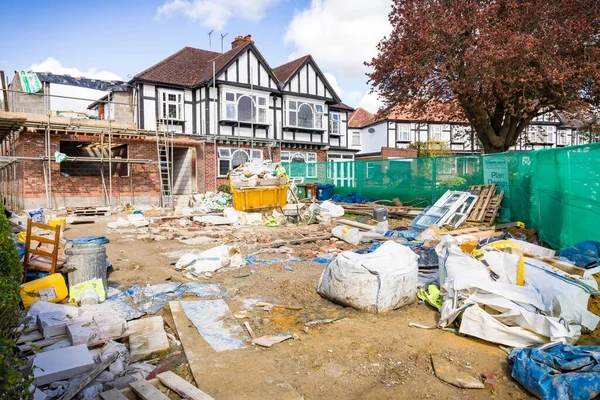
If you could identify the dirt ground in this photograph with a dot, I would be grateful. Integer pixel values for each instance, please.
(360, 356)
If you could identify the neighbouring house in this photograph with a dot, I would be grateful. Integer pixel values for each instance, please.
(196, 114)
(403, 127)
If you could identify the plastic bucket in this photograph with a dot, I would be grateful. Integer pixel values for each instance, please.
(62, 222)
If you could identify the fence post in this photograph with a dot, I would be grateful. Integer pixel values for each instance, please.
(433, 180)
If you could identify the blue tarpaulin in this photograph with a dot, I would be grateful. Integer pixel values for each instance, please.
(558, 372)
(584, 254)
(352, 198)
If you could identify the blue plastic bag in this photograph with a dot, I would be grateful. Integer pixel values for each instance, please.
(558, 372)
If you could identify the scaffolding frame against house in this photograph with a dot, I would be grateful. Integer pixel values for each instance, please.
(12, 126)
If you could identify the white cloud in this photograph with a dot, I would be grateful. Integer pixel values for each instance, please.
(334, 83)
(340, 34)
(215, 14)
(370, 102)
(51, 64)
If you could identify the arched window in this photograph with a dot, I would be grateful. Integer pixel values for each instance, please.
(298, 157)
(246, 109)
(305, 116)
(239, 157)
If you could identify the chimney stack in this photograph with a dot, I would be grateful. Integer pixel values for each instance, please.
(240, 40)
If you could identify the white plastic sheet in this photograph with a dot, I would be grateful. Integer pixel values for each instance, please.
(211, 260)
(380, 281)
(550, 306)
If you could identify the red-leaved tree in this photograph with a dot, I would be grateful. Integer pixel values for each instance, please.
(503, 61)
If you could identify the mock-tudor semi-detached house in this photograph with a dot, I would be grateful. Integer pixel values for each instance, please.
(252, 111)
(217, 110)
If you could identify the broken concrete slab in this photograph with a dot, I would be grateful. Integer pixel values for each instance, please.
(448, 373)
(149, 338)
(53, 323)
(268, 341)
(61, 364)
(79, 333)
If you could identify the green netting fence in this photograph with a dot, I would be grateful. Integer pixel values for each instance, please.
(556, 191)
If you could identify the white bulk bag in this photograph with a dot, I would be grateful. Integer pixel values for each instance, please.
(380, 281)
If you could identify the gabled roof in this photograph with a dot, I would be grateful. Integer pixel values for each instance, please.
(360, 118)
(221, 61)
(286, 71)
(97, 84)
(182, 68)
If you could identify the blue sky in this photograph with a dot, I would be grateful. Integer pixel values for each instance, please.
(109, 38)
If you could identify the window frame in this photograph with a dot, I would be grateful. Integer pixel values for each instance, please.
(164, 103)
(370, 169)
(226, 154)
(317, 115)
(255, 101)
(399, 131)
(354, 135)
(435, 136)
(335, 123)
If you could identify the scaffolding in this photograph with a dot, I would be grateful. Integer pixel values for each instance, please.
(13, 124)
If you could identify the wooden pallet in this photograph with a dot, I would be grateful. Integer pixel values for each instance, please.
(89, 211)
(485, 194)
(494, 208)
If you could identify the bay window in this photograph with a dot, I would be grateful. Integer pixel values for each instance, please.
(230, 158)
(171, 104)
(243, 107)
(304, 115)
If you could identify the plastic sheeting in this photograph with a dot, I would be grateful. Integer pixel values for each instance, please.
(558, 372)
(552, 306)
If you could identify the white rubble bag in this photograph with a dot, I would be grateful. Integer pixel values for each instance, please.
(377, 282)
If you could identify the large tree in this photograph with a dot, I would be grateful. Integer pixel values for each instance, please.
(503, 61)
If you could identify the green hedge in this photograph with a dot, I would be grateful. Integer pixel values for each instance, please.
(12, 384)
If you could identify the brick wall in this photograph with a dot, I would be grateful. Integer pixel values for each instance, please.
(389, 152)
(69, 191)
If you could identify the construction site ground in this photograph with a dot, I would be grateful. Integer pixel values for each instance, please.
(360, 356)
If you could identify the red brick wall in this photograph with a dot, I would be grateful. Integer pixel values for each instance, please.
(387, 152)
(143, 179)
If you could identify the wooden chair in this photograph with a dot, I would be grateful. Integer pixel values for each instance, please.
(52, 257)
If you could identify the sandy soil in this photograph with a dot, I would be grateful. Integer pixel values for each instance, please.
(360, 356)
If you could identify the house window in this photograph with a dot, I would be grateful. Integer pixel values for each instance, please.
(171, 104)
(309, 159)
(334, 124)
(561, 138)
(304, 115)
(93, 150)
(230, 158)
(550, 134)
(403, 132)
(243, 107)
(435, 132)
(356, 138)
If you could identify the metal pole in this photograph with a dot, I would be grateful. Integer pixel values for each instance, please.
(216, 124)
(3, 86)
